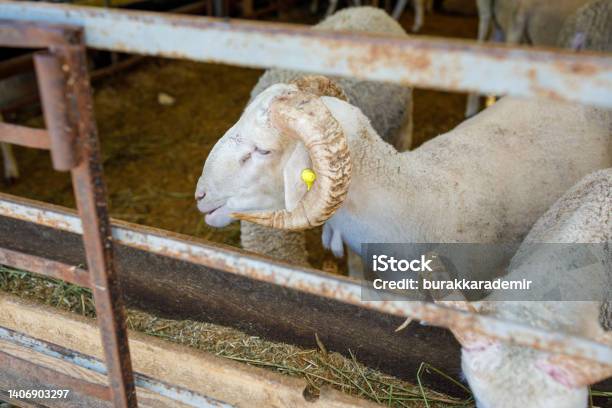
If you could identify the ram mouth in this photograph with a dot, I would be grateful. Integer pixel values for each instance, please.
(210, 208)
(213, 210)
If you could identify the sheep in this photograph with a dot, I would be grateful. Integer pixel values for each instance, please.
(589, 28)
(420, 6)
(486, 181)
(535, 22)
(510, 376)
(388, 106)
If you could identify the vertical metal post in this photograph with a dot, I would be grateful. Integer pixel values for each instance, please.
(90, 194)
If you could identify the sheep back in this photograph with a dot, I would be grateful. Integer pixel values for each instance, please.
(386, 105)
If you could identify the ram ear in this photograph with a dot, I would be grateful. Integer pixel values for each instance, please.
(573, 372)
(295, 188)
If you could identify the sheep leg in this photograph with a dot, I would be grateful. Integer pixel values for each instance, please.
(11, 171)
(516, 32)
(333, 4)
(485, 16)
(473, 105)
(403, 138)
(419, 15)
(399, 9)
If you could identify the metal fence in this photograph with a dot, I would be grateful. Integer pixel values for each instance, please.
(71, 136)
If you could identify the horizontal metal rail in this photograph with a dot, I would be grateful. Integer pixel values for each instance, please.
(24, 136)
(414, 60)
(303, 279)
(43, 266)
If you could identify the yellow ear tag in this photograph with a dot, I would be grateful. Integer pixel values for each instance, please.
(308, 177)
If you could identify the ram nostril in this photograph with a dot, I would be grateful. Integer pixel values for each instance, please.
(199, 195)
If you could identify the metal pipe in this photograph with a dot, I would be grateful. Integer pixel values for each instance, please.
(304, 279)
(43, 266)
(90, 195)
(24, 136)
(456, 65)
(60, 116)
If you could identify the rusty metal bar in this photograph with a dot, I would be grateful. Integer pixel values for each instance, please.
(43, 266)
(304, 279)
(67, 105)
(90, 194)
(24, 136)
(34, 35)
(457, 65)
(59, 115)
(48, 376)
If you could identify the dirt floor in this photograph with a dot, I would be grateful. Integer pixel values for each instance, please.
(153, 154)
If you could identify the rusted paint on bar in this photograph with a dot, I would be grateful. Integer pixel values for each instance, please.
(30, 35)
(48, 376)
(42, 266)
(24, 136)
(304, 279)
(59, 116)
(416, 60)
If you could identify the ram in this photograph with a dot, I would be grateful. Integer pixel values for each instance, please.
(388, 106)
(488, 180)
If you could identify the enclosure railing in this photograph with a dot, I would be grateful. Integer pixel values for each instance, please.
(420, 61)
(72, 138)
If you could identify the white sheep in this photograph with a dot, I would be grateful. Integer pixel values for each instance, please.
(535, 22)
(503, 375)
(589, 28)
(488, 180)
(388, 106)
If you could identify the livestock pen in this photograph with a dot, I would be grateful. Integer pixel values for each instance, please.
(45, 239)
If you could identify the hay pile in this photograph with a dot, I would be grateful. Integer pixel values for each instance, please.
(317, 366)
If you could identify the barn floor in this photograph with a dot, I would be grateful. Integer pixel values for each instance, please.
(153, 156)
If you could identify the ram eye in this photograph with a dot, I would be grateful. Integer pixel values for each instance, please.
(262, 151)
(245, 158)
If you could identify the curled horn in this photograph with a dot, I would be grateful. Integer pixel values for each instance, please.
(320, 86)
(303, 115)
